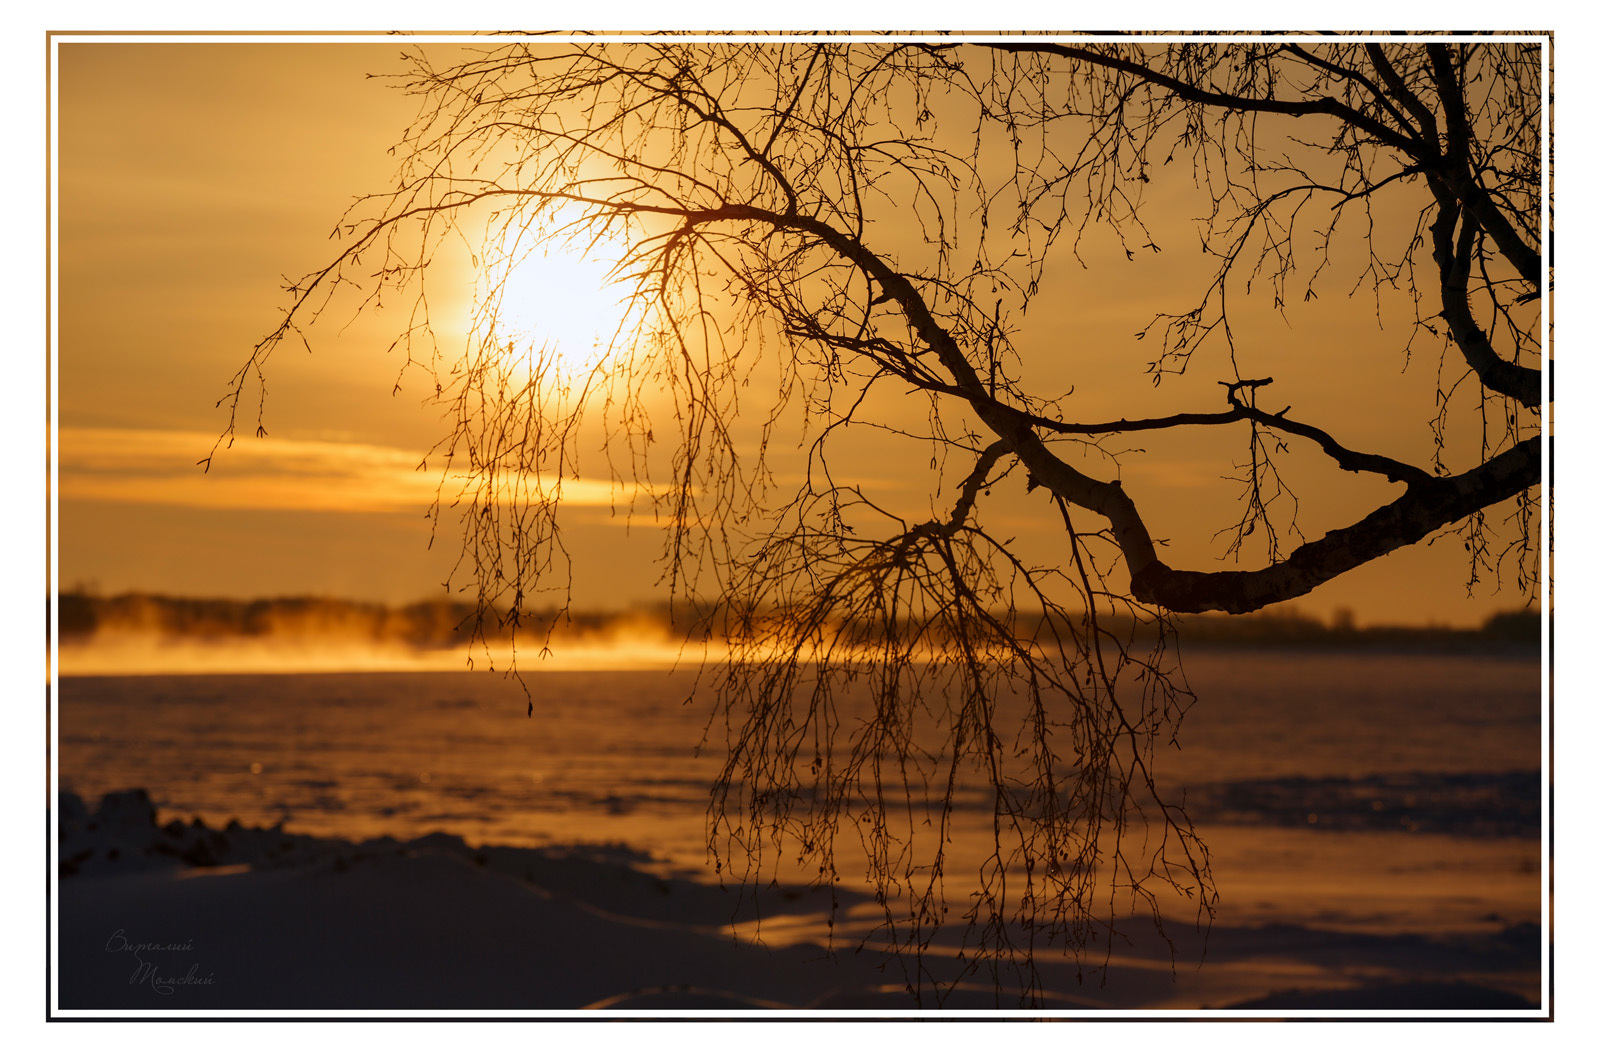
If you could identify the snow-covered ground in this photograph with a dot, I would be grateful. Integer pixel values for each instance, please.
(173, 917)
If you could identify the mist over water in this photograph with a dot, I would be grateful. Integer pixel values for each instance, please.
(142, 634)
(133, 653)
(139, 634)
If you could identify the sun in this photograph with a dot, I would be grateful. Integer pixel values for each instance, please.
(555, 305)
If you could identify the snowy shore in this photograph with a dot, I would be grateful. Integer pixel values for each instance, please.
(175, 917)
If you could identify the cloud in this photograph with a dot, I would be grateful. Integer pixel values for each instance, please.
(144, 466)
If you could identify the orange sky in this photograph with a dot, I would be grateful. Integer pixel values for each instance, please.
(194, 177)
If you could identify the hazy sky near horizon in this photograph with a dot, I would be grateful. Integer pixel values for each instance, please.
(195, 178)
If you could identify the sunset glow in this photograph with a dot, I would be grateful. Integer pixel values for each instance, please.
(173, 253)
(157, 467)
(534, 517)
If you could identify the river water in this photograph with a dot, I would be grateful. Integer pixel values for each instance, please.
(1347, 789)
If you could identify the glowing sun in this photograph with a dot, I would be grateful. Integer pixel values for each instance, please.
(557, 305)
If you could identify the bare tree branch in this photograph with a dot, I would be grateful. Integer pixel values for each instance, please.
(809, 231)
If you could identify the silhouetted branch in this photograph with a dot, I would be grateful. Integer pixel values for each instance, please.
(800, 239)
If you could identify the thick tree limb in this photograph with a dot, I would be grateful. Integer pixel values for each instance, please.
(1422, 509)
(1453, 257)
(1427, 505)
(1455, 169)
(1396, 84)
(1476, 201)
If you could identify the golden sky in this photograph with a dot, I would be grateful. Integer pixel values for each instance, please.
(196, 177)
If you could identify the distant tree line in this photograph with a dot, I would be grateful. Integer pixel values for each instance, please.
(433, 624)
(441, 624)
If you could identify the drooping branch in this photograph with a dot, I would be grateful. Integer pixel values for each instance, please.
(975, 481)
(750, 179)
(1020, 431)
(1347, 459)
